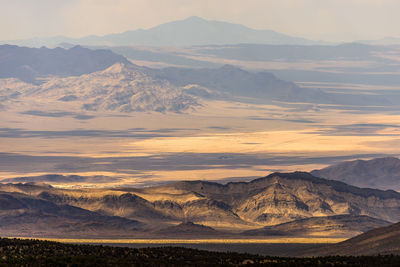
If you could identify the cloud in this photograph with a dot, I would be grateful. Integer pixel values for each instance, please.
(22, 133)
(257, 118)
(65, 179)
(360, 129)
(139, 133)
(57, 114)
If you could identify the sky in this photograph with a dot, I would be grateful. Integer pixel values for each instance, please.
(329, 20)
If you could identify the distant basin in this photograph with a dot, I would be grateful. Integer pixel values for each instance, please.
(297, 240)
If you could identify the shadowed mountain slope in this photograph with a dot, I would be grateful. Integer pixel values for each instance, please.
(189, 229)
(346, 225)
(380, 241)
(24, 215)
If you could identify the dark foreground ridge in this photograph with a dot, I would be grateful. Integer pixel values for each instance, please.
(17, 252)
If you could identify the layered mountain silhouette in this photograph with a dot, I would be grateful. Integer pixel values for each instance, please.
(301, 200)
(382, 173)
(187, 32)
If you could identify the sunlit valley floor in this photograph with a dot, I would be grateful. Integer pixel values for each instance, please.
(218, 140)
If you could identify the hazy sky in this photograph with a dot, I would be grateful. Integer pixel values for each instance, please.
(331, 20)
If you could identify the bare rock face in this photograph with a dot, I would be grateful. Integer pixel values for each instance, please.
(283, 203)
(121, 87)
(381, 173)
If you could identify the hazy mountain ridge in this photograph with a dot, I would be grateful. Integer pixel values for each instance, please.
(382, 173)
(275, 199)
(238, 82)
(28, 64)
(190, 31)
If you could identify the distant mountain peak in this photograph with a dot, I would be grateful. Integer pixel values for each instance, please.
(230, 67)
(190, 31)
(195, 18)
(382, 173)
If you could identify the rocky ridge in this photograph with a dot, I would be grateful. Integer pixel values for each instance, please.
(273, 200)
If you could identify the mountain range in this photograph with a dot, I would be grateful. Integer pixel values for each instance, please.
(187, 32)
(100, 80)
(192, 31)
(282, 202)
